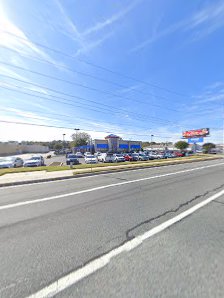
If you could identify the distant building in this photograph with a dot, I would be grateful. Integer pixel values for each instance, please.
(11, 148)
(111, 143)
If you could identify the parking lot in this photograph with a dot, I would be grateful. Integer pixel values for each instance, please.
(50, 159)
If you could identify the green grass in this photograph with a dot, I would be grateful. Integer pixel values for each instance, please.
(121, 165)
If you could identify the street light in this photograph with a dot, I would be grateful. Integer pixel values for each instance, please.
(151, 140)
(76, 133)
(64, 141)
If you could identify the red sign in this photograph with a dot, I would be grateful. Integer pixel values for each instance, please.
(202, 132)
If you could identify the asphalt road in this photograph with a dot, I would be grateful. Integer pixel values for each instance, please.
(51, 229)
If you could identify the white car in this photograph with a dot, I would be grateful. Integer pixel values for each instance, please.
(91, 159)
(79, 154)
(107, 157)
(119, 158)
(34, 161)
(11, 162)
(87, 153)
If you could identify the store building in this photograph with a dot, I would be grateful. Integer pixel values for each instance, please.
(112, 143)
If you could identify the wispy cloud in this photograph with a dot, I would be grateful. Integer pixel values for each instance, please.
(12, 37)
(212, 94)
(114, 18)
(68, 26)
(7, 71)
(207, 20)
(200, 24)
(92, 44)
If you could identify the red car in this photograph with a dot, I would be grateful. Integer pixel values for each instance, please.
(128, 157)
(179, 154)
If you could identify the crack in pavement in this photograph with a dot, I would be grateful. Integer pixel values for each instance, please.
(150, 220)
(216, 201)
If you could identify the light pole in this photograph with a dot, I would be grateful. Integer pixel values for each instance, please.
(151, 140)
(64, 141)
(76, 133)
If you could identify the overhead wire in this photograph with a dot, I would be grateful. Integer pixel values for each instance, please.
(94, 65)
(86, 87)
(85, 99)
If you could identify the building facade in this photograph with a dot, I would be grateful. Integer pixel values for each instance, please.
(113, 143)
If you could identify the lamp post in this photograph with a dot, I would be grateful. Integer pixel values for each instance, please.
(63, 141)
(76, 133)
(151, 140)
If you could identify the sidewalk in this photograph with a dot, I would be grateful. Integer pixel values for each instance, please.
(42, 176)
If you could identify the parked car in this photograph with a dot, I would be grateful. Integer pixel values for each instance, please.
(11, 162)
(91, 159)
(79, 154)
(97, 153)
(87, 153)
(135, 156)
(72, 159)
(178, 154)
(128, 157)
(106, 157)
(143, 157)
(34, 161)
(119, 158)
(168, 155)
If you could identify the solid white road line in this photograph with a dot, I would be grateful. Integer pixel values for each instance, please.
(75, 276)
(93, 176)
(29, 202)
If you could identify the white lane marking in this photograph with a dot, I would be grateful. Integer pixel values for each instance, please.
(77, 275)
(29, 202)
(101, 174)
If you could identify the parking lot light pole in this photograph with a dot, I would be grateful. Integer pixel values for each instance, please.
(151, 140)
(64, 141)
(76, 132)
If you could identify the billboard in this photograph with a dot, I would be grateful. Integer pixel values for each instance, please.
(202, 132)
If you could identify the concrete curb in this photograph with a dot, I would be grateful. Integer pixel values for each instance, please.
(89, 174)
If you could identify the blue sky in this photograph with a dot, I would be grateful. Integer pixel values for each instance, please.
(134, 68)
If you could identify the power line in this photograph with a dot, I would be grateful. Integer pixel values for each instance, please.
(96, 66)
(85, 74)
(85, 86)
(69, 116)
(84, 99)
(64, 127)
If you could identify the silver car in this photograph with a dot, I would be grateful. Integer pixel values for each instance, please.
(11, 162)
(34, 161)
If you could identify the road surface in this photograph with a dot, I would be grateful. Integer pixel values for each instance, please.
(51, 230)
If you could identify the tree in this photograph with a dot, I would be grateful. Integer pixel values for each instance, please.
(58, 146)
(80, 139)
(207, 147)
(182, 145)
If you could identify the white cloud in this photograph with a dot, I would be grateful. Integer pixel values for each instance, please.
(12, 37)
(114, 18)
(200, 24)
(213, 93)
(92, 44)
(8, 72)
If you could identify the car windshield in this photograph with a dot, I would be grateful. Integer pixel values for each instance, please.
(119, 155)
(7, 159)
(134, 154)
(90, 156)
(71, 156)
(35, 158)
